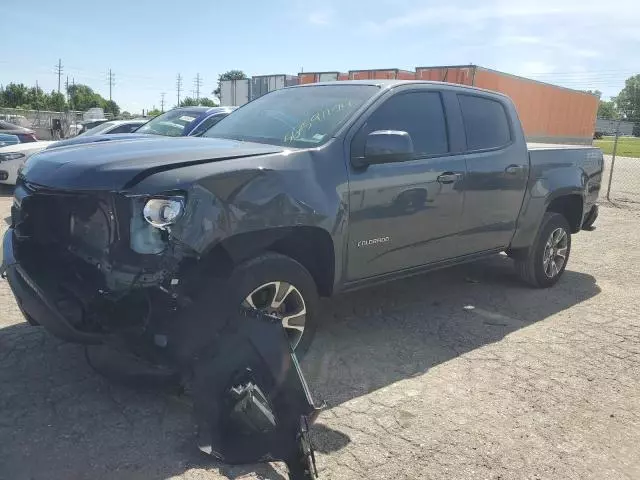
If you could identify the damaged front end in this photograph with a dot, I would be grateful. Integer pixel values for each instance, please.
(104, 262)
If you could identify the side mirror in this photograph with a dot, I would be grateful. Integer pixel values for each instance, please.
(386, 146)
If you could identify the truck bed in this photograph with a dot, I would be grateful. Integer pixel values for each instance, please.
(588, 158)
(558, 146)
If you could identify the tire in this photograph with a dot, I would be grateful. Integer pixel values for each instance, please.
(261, 276)
(534, 265)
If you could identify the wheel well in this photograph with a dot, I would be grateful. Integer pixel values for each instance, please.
(571, 207)
(310, 246)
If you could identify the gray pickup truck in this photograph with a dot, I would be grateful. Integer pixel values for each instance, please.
(307, 191)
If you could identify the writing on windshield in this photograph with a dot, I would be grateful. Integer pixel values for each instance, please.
(295, 117)
(305, 127)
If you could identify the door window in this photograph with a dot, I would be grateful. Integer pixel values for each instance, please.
(485, 123)
(420, 114)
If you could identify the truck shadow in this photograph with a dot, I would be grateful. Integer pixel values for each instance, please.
(61, 420)
(375, 337)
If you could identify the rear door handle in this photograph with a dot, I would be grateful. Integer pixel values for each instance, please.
(514, 169)
(448, 177)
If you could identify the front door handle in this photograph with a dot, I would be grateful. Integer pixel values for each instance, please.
(448, 177)
(514, 169)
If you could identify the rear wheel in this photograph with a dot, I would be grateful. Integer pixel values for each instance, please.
(544, 262)
(279, 286)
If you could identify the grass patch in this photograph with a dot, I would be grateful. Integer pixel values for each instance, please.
(627, 146)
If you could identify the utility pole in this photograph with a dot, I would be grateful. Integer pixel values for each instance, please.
(37, 96)
(162, 101)
(59, 72)
(179, 86)
(197, 82)
(111, 79)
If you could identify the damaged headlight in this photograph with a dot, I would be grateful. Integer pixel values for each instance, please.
(151, 219)
(162, 212)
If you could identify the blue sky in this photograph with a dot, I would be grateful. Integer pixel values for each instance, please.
(579, 44)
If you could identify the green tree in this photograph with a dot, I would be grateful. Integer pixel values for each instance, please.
(83, 97)
(56, 102)
(628, 100)
(36, 99)
(203, 101)
(607, 109)
(111, 107)
(207, 102)
(15, 95)
(230, 75)
(126, 115)
(153, 113)
(189, 102)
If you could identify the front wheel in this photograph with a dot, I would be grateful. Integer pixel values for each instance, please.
(544, 262)
(279, 286)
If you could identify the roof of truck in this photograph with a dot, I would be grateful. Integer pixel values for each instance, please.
(393, 83)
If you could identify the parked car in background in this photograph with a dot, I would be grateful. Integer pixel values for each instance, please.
(25, 135)
(8, 139)
(103, 132)
(88, 125)
(115, 126)
(185, 121)
(179, 122)
(12, 157)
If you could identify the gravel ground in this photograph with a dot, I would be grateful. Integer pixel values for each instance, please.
(463, 374)
(625, 185)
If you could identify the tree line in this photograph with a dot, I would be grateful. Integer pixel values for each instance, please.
(78, 97)
(625, 105)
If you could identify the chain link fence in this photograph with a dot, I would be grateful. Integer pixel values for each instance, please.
(47, 125)
(621, 180)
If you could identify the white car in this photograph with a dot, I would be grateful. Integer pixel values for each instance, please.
(115, 126)
(13, 157)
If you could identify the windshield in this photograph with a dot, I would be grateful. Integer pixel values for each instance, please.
(98, 129)
(296, 117)
(170, 124)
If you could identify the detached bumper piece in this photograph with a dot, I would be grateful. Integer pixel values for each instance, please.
(252, 401)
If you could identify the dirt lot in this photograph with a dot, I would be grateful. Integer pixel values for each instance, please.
(625, 185)
(460, 374)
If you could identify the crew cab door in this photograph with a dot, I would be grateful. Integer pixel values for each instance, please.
(497, 171)
(404, 214)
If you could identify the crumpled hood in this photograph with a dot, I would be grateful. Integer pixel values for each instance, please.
(119, 164)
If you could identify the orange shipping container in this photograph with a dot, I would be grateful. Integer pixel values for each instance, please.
(313, 77)
(384, 74)
(548, 113)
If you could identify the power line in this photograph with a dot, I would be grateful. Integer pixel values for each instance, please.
(58, 70)
(179, 86)
(162, 101)
(111, 80)
(197, 82)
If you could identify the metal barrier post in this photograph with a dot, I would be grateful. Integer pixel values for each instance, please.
(613, 159)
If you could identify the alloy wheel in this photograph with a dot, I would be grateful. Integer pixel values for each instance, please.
(555, 252)
(284, 301)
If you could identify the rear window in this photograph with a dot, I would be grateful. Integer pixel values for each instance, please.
(485, 123)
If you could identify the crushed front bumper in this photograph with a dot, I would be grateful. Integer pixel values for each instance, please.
(35, 299)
